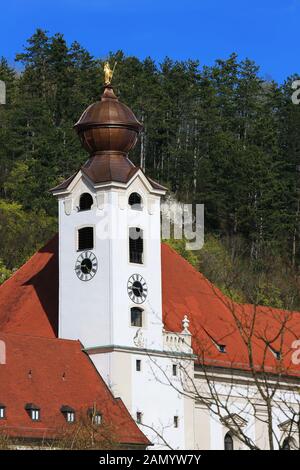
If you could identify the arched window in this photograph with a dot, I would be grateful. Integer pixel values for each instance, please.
(136, 317)
(136, 245)
(288, 444)
(85, 202)
(135, 201)
(228, 442)
(86, 238)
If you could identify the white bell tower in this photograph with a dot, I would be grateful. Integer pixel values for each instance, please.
(110, 295)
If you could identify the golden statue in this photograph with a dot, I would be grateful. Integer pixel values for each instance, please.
(108, 73)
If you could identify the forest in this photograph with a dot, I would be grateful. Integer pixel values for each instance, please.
(219, 135)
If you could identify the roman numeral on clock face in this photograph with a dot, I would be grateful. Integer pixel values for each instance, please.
(137, 288)
(86, 266)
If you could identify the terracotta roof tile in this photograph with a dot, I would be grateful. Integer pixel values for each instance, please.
(29, 305)
(51, 372)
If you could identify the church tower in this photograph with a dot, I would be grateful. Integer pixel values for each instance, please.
(110, 295)
(109, 236)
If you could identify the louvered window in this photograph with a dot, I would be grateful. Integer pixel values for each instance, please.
(136, 245)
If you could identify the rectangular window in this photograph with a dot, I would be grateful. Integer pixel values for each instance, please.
(174, 370)
(70, 417)
(86, 238)
(136, 245)
(136, 317)
(35, 415)
(138, 365)
(176, 422)
(97, 419)
(2, 412)
(139, 417)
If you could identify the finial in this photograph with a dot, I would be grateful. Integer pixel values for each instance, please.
(108, 73)
(185, 324)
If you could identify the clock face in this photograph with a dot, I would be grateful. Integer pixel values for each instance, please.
(86, 266)
(137, 288)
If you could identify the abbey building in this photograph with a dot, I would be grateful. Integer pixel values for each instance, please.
(106, 318)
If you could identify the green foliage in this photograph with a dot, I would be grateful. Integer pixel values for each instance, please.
(217, 135)
(22, 232)
(4, 272)
(179, 246)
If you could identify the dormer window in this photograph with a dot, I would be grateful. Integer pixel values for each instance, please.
(95, 416)
(136, 245)
(33, 411)
(85, 202)
(221, 348)
(2, 411)
(276, 353)
(135, 201)
(97, 419)
(85, 238)
(68, 413)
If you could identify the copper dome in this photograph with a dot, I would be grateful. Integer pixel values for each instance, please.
(108, 125)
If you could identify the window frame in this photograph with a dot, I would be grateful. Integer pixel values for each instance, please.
(228, 437)
(95, 418)
(35, 414)
(77, 230)
(67, 412)
(70, 417)
(141, 310)
(134, 251)
(2, 411)
(138, 365)
(33, 411)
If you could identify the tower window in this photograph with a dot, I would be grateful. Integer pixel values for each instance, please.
(176, 422)
(2, 411)
(139, 416)
(136, 245)
(228, 442)
(85, 202)
(86, 238)
(136, 317)
(174, 370)
(138, 365)
(135, 201)
(33, 411)
(68, 413)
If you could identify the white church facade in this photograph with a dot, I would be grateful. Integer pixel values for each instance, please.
(161, 337)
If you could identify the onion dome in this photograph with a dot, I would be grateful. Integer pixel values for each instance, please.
(108, 126)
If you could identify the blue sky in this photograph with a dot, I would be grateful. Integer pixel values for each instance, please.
(265, 31)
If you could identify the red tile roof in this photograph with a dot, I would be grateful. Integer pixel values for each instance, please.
(29, 305)
(50, 373)
(212, 316)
